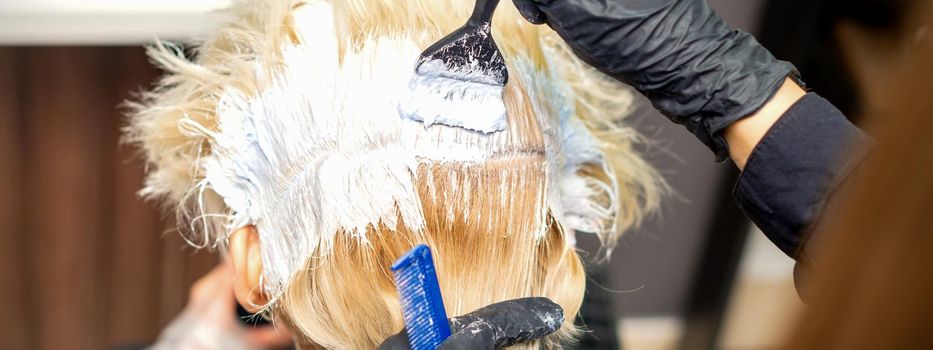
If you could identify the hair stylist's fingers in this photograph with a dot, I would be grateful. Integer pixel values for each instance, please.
(496, 326)
(475, 336)
(507, 323)
(529, 9)
(399, 341)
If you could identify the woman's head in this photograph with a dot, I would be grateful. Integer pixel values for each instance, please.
(283, 139)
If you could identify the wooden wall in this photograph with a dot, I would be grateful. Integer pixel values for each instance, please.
(84, 263)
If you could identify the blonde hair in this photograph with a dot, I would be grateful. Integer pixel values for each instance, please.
(230, 138)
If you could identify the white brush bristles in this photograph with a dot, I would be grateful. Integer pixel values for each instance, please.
(433, 97)
(290, 114)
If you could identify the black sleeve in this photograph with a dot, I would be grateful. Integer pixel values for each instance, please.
(795, 168)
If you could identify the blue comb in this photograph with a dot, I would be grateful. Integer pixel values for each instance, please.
(422, 304)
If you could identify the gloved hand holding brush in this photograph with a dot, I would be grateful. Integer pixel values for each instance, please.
(693, 66)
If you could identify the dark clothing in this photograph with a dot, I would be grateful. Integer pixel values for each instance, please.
(795, 168)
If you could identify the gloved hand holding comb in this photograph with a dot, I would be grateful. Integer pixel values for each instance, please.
(495, 326)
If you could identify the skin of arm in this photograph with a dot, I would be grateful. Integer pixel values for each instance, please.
(745, 134)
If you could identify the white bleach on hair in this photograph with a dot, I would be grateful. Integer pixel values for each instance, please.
(326, 130)
(467, 101)
(306, 137)
(323, 149)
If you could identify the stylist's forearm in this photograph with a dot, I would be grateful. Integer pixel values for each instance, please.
(745, 134)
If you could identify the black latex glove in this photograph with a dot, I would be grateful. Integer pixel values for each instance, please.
(495, 326)
(693, 67)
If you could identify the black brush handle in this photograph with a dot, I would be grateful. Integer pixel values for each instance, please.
(482, 12)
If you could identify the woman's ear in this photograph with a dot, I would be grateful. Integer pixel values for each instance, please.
(245, 253)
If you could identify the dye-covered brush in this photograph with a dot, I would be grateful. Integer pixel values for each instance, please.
(420, 295)
(459, 80)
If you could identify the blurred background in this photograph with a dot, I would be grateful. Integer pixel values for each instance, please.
(89, 265)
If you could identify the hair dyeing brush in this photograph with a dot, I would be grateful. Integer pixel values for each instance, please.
(422, 305)
(459, 80)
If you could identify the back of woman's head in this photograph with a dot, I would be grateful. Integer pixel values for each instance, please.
(287, 121)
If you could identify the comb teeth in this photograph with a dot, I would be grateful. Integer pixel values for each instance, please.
(420, 295)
